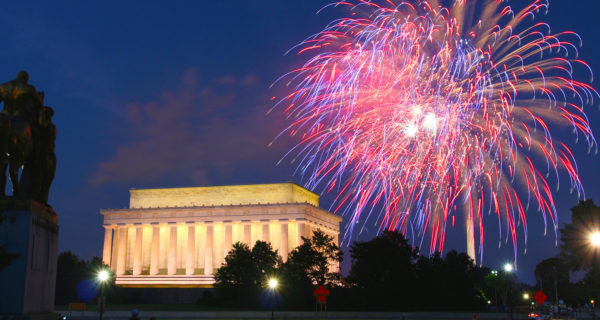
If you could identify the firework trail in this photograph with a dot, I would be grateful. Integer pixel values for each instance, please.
(416, 113)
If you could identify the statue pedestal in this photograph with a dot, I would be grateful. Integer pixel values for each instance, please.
(27, 284)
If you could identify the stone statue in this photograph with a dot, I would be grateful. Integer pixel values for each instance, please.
(27, 137)
(47, 155)
(15, 148)
(21, 99)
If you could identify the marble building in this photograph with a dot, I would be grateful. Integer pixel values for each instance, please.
(178, 237)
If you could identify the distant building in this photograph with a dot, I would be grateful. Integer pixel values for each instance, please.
(178, 237)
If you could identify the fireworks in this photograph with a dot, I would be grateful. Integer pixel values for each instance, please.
(415, 114)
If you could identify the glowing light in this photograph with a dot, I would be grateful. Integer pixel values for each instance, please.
(525, 296)
(411, 130)
(595, 238)
(414, 115)
(429, 122)
(508, 267)
(273, 283)
(103, 275)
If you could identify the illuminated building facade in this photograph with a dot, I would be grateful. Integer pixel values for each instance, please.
(178, 237)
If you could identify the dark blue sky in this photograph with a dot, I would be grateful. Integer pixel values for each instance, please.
(165, 94)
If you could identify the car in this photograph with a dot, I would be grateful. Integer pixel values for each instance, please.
(534, 315)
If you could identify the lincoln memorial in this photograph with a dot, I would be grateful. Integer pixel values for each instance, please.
(178, 237)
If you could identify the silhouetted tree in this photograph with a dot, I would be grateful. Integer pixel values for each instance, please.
(70, 271)
(389, 274)
(430, 274)
(575, 247)
(266, 260)
(237, 269)
(240, 279)
(451, 283)
(308, 265)
(463, 283)
(504, 285)
(587, 288)
(383, 271)
(552, 274)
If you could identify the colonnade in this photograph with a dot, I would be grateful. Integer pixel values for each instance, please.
(193, 247)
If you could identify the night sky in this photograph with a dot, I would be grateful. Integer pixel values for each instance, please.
(168, 94)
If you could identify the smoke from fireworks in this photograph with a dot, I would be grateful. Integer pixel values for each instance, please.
(417, 113)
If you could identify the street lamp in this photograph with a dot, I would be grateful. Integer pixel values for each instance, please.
(102, 277)
(273, 284)
(595, 238)
(508, 269)
(526, 298)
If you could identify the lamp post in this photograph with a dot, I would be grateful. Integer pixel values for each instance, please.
(527, 298)
(594, 241)
(102, 277)
(508, 269)
(273, 284)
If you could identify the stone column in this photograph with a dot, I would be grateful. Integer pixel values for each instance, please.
(247, 233)
(190, 261)
(301, 230)
(227, 245)
(172, 261)
(122, 250)
(137, 251)
(115, 250)
(107, 250)
(283, 250)
(154, 253)
(265, 230)
(208, 250)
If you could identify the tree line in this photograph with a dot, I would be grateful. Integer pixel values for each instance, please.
(387, 274)
(573, 275)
